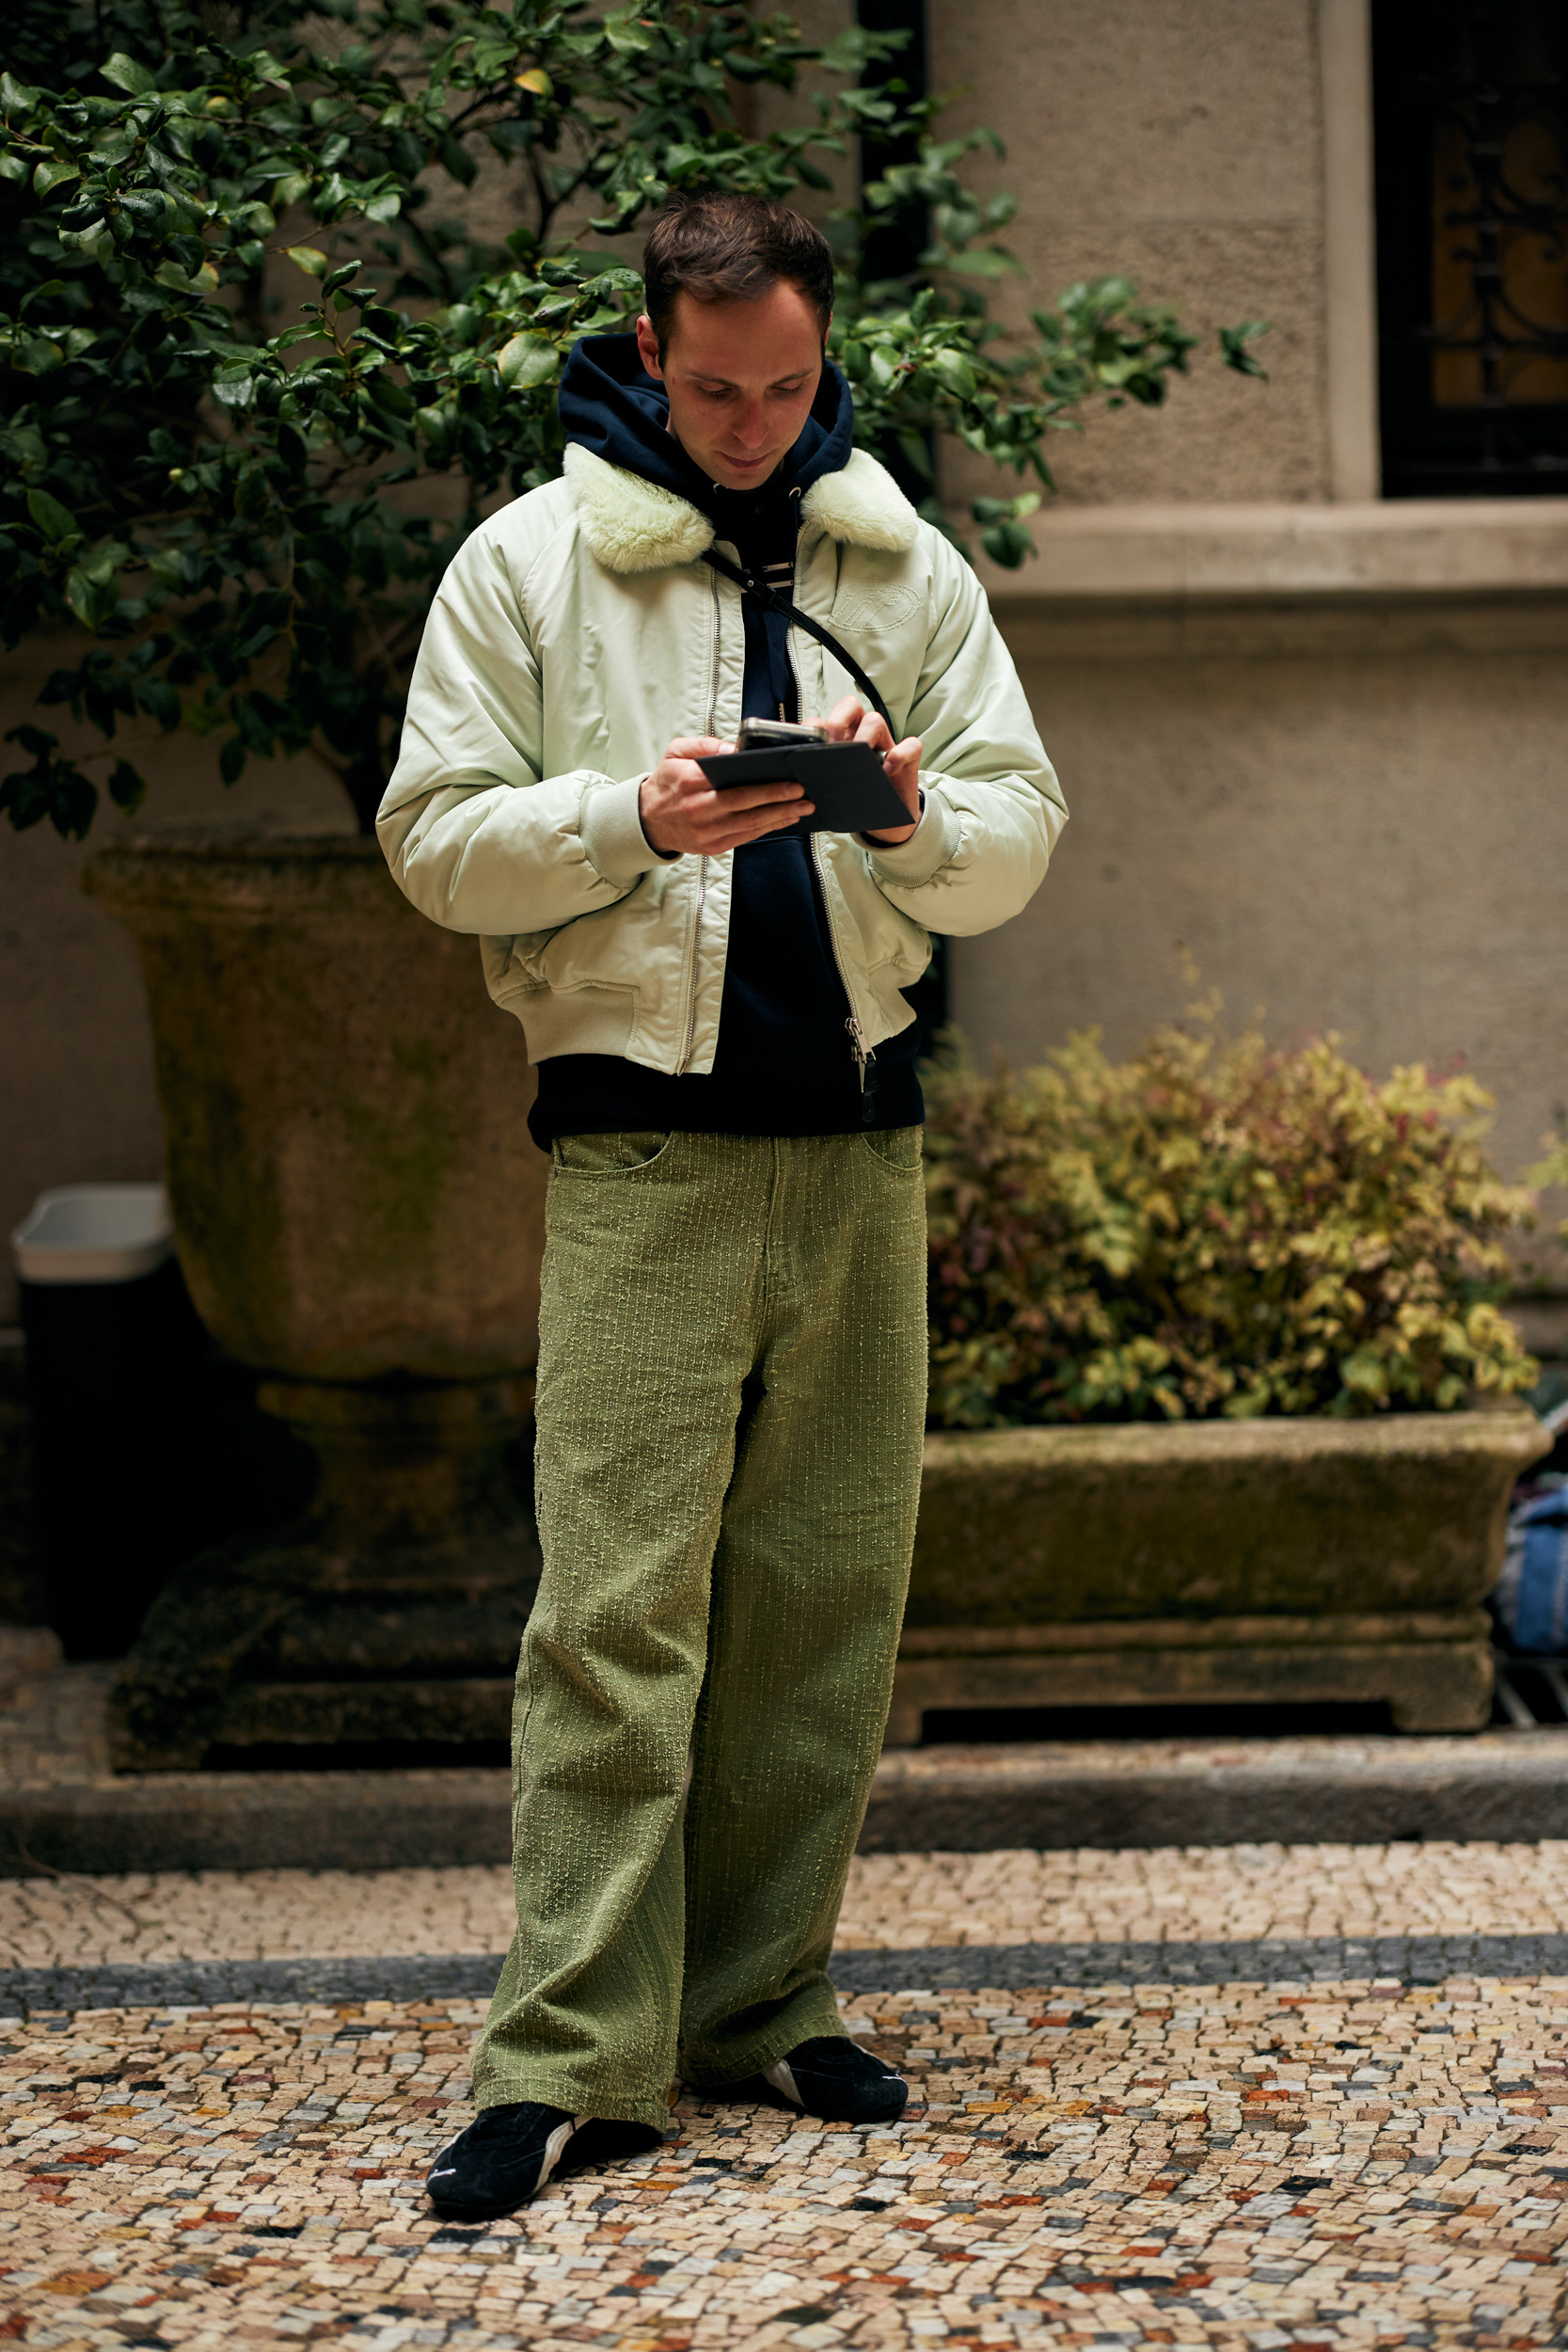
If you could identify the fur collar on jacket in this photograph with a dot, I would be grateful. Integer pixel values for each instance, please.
(635, 526)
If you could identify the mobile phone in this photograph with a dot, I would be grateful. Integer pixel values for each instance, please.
(761, 734)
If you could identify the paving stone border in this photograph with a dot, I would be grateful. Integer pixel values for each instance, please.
(1324, 1959)
(1336, 1960)
(206, 1983)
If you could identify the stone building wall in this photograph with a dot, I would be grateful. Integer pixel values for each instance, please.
(1177, 142)
(1347, 817)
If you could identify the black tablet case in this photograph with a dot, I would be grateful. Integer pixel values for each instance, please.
(846, 782)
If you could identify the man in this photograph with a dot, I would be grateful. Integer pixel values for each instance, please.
(732, 1376)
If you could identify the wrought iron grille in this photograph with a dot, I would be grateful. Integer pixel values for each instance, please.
(1470, 103)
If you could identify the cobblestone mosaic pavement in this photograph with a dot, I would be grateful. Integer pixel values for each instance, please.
(1276, 2159)
(912, 1903)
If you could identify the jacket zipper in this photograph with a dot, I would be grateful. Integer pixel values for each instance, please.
(702, 863)
(858, 1046)
(865, 1053)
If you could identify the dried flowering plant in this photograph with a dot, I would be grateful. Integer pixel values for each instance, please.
(1213, 1228)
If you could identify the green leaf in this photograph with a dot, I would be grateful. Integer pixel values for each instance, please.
(849, 49)
(24, 445)
(952, 370)
(1233, 345)
(232, 759)
(91, 600)
(986, 262)
(161, 702)
(254, 219)
(1008, 544)
(126, 788)
(625, 34)
(52, 173)
(309, 257)
(74, 803)
(35, 740)
(525, 360)
(55, 521)
(458, 160)
(388, 396)
(52, 787)
(1006, 510)
(126, 73)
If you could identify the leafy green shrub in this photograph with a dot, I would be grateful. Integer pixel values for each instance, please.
(240, 519)
(1212, 1228)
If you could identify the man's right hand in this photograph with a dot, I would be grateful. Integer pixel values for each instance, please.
(683, 814)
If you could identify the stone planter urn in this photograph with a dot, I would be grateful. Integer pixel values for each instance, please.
(1214, 1562)
(359, 1214)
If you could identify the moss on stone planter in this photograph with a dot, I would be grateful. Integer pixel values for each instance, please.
(355, 1190)
(1241, 1560)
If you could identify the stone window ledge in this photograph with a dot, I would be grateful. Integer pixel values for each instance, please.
(1405, 548)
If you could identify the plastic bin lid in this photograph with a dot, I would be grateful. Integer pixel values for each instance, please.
(94, 1234)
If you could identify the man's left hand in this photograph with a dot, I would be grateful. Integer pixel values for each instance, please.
(852, 722)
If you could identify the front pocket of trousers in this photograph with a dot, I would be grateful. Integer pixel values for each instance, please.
(910, 1149)
(629, 1153)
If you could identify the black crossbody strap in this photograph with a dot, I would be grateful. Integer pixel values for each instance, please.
(774, 600)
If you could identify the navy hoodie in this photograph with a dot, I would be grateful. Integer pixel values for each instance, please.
(784, 1064)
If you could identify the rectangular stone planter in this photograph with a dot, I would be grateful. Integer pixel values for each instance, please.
(1208, 1562)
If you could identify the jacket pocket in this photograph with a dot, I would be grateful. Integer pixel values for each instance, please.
(511, 965)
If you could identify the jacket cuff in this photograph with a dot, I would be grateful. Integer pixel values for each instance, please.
(933, 842)
(613, 835)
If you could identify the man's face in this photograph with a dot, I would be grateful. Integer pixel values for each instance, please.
(741, 378)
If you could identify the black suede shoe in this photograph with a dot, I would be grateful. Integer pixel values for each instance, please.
(508, 2154)
(829, 2076)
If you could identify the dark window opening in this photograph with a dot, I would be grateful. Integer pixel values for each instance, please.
(1470, 119)
(893, 247)
(893, 252)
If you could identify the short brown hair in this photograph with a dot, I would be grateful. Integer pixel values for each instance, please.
(726, 247)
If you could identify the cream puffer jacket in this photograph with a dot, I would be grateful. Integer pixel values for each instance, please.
(575, 636)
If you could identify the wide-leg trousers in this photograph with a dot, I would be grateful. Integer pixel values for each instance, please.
(731, 1401)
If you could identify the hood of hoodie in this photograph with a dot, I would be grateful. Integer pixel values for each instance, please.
(611, 407)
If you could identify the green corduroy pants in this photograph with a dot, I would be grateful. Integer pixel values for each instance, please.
(730, 1400)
